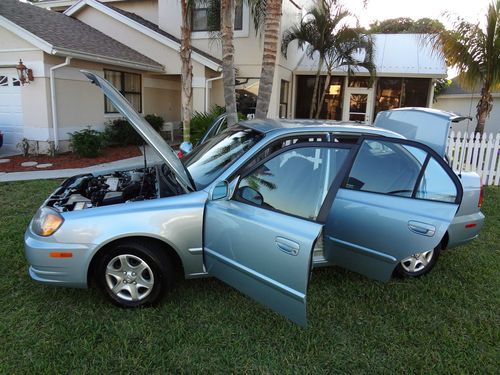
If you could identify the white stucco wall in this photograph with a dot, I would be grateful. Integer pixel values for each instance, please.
(461, 104)
(147, 9)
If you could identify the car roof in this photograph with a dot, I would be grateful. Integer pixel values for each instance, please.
(291, 126)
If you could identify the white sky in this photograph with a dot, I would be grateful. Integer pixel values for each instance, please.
(471, 10)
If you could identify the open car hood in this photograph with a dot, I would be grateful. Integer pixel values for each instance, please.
(425, 125)
(144, 129)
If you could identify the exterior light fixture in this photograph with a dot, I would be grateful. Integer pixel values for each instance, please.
(25, 75)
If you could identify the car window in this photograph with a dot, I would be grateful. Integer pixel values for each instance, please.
(210, 159)
(436, 184)
(386, 167)
(294, 181)
(395, 168)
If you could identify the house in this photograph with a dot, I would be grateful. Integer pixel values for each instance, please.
(463, 101)
(135, 44)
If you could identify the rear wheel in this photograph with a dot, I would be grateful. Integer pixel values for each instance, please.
(134, 274)
(418, 264)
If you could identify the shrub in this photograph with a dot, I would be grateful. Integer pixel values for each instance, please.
(202, 120)
(155, 121)
(87, 143)
(120, 132)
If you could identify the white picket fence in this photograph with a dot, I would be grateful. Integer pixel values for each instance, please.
(476, 153)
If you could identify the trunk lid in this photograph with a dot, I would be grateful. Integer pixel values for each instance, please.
(425, 125)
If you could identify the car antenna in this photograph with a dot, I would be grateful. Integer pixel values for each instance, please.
(144, 152)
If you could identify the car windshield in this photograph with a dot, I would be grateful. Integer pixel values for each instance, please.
(209, 160)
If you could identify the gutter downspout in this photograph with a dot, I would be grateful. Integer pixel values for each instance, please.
(206, 89)
(55, 124)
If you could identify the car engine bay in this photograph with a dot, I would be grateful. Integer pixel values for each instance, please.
(88, 191)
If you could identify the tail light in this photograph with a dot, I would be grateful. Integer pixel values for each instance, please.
(180, 154)
(481, 195)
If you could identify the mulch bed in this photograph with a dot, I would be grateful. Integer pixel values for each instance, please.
(69, 160)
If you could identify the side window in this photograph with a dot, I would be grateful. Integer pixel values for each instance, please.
(436, 184)
(386, 167)
(295, 181)
(396, 169)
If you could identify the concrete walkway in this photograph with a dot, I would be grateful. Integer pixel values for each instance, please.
(131, 163)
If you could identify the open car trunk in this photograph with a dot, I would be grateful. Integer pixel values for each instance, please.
(428, 126)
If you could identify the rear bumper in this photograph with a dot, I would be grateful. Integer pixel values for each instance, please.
(464, 229)
(68, 272)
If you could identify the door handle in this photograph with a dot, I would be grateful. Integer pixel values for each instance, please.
(287, 246)
(422, 228)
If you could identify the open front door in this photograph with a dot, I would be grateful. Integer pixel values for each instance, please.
(397, 200)
(261, 240)
(264, 254)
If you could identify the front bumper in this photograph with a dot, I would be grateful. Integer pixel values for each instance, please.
(68, 272)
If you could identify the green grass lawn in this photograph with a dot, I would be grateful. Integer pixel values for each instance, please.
(445, 322)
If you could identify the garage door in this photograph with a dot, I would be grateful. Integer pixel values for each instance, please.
(11, 115)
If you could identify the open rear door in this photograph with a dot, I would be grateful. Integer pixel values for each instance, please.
(397, 200)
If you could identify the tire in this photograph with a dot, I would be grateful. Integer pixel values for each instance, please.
(135, 274)
(418, 264)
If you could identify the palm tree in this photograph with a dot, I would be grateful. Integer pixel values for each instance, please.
(186, 69)
(324, 31)
(344, 45)
(475, 52)
(272, 15)
(227, 31)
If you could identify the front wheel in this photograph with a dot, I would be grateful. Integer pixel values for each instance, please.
(418, 264)
(135, 274)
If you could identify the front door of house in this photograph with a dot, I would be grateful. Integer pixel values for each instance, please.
(358, 104)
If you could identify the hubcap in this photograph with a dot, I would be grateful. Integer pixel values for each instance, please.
(417, 262)
(129, 277)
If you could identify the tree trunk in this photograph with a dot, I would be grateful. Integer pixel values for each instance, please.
(186, 73)
(483, 108)
(271, 40)
(323, 95)
(227, 25)
(315, 89)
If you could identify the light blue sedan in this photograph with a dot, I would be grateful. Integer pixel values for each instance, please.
(256, 206)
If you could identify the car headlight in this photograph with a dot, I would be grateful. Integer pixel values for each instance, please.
(46, 221)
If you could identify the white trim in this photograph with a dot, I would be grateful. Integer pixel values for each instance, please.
(106, 60)
(26, 35)
(53, 102)
(64, 3)
(208, 85)
(141, 28)
(198, 82)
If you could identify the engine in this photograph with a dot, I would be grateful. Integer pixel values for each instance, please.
(87, 191)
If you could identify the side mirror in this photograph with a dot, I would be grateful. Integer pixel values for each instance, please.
(186, 147)
(220, 191)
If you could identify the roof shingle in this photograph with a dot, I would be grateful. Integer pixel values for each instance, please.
(65, 32)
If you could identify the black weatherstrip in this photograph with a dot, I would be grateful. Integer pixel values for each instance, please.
(337, 183)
